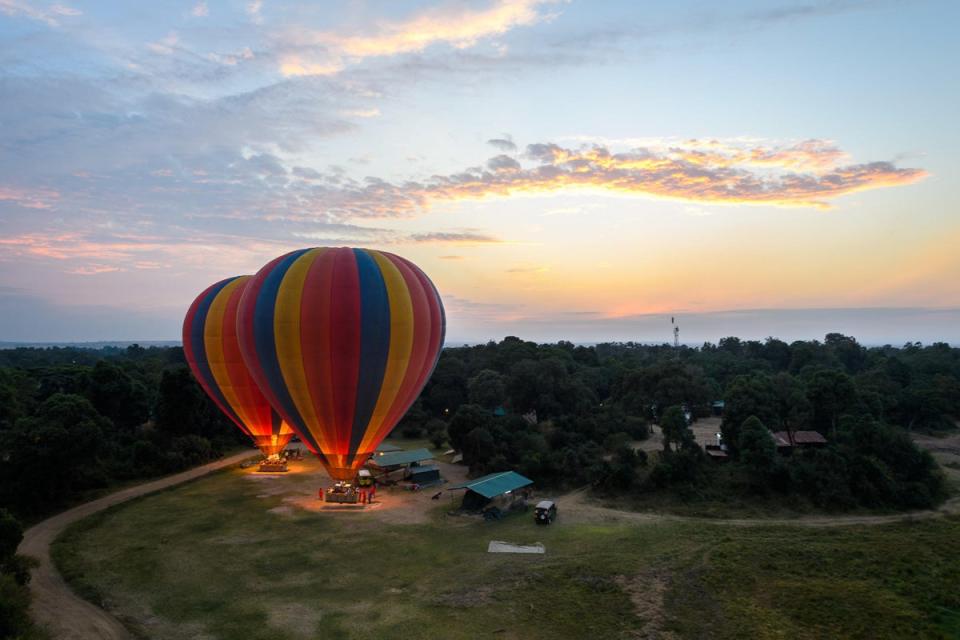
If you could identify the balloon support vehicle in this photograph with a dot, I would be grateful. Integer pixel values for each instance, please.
(546, 512)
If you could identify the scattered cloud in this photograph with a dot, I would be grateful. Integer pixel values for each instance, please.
(253, 10)
(200, 10)
(505, 144)
(166, 45)
(310, 52)
(93, 269)
(232, 59)
(29, 198)
(806, 174)
(503, 163)
(451, 257)
(361, 113)
(461, 237)
(48, 16)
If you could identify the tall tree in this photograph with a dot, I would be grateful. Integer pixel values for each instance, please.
(675, 430)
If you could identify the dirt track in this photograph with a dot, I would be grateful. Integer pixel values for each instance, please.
(61, 612)
(577, 509)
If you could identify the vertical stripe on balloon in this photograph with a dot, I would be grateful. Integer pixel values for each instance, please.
(265, 343)
(345, 335)
(419, 350)
(375, 332)
(194, 334)
(402, 324)
(213, 345)
(287, 337)
(315, 342)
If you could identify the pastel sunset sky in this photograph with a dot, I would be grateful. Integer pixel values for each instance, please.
(575, 170)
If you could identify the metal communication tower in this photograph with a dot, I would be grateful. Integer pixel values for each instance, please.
(676, 336)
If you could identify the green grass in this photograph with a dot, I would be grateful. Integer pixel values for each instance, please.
(208, 558)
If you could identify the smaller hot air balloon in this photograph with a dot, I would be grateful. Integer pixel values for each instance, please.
(212, 350)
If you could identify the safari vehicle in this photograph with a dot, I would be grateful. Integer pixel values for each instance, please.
(364, 478)
(546, 512)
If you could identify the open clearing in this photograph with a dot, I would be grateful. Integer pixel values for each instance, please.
(245, 555)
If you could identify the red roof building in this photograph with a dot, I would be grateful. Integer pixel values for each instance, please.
(788, 440)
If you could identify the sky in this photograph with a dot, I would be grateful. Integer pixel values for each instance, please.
(579, 170)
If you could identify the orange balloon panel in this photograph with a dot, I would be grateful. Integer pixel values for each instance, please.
(213, 352)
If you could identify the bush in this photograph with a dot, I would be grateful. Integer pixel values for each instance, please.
(412, 431)
(758, 451)
(14, 605)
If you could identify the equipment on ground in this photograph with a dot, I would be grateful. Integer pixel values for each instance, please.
(273, 466)
(545, 512)
(342, 492)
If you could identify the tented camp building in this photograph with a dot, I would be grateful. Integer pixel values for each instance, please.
(492, 487)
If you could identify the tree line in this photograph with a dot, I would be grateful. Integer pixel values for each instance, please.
(74, 421)
(593, 403)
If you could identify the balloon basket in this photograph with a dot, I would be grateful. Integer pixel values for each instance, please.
(347, 493)
(273, 466)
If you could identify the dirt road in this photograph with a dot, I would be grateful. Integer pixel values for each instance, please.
(577, 508)
(55, 606)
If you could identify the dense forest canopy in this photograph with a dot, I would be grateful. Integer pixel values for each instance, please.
(591, 403)
(75, 420)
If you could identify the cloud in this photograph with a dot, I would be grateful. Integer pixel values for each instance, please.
(447, 237)
(505, 144)
(361, 113)
(503, 163)
(200, 10)
(93, 269)
(253, 10)
(28, 10)
(29, 198)
(63, 10)
(166, 45)
(806, 174)
(460, 26)
(451, 257)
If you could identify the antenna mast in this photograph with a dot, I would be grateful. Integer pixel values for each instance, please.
(676, 336)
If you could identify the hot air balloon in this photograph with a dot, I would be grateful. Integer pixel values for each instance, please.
(213, 352)
(341, 341)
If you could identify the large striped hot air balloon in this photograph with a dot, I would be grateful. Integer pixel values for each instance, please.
(212, 350)
(341, 341)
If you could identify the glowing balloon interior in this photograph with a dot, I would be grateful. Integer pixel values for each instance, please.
(212, 350)
(341, 341)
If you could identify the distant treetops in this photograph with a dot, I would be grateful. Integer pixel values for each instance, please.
(333, 343)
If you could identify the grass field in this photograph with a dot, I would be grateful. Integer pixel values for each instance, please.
(224, 558)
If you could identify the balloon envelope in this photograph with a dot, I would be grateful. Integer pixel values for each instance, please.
(341, 341)
(212, 350)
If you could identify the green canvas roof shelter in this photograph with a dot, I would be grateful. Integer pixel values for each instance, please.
(495, 484)
(426, 474)
(398, 458)
(386, 447)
